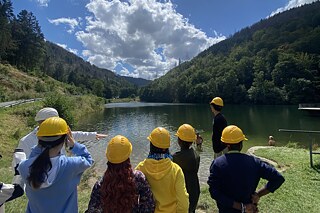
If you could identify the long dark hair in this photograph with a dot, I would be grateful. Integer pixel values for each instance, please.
(38, 171)
(118, 189)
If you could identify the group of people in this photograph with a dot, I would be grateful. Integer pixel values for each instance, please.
(162, 182)
(46, 141)
(234, 176)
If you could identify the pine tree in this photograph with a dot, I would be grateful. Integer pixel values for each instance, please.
(6, 17)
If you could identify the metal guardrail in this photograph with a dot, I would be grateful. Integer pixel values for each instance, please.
(311, 152)
(14, 103)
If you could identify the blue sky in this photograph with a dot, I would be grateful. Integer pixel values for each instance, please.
(145, 38)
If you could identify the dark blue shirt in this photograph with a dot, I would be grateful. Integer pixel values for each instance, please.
(235, 177)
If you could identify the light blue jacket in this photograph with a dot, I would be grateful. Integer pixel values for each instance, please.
(61, 196)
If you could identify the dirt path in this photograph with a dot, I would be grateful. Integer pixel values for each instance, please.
(252, 150)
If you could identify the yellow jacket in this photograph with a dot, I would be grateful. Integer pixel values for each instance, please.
(167, 184)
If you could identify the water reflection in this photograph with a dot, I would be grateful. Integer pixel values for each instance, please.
(137, 120)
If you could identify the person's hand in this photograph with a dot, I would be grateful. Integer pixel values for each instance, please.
(70, 140)
(99, 136)
(251, 208)
(199, 139)
(255, 198)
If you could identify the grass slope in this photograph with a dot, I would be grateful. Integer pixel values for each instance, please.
(15, 85)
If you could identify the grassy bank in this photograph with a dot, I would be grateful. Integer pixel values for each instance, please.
(121, 100)
(18, 121)
(299, 193)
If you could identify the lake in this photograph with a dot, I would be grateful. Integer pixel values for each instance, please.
(136, 120)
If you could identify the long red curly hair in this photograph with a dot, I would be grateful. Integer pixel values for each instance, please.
(118, 189)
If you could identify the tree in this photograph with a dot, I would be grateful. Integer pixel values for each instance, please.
(6, 17)
(98, 88)
(30, 41)
(264, 92)
(300, 90)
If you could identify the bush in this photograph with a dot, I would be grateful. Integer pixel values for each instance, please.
(293, 145)
(63, 105)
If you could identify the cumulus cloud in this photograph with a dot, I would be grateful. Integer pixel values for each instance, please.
(43, 3)
(292, 4)
(64, 46)
(148, 35)
(72, 23)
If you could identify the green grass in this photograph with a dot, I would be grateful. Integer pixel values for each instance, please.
(299, 193)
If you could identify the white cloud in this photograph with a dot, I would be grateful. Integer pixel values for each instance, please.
(71, 22)
(43, 3)
(64, 46)
(292, 4)
(134, 31)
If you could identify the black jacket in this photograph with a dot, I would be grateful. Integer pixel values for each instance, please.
(189, 161)
(219, 123)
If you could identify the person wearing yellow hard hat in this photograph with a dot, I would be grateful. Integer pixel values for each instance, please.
(30, 140)
(234, 176)
(166, 178)
(188, 159)
(219, 122)
(51, 177)
(121, 189)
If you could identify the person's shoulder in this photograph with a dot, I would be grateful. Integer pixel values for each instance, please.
(24, 166)
(221, 160)
(176, 154)
(194, 152)
(175, 167)
(65, 161)
(220, 116)
(138, 175)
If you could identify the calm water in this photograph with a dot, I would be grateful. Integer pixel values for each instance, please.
(137, 120)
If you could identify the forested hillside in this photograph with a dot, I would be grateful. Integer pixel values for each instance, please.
(140, 82)
(67, 67)
(275, 61)
(23, 46)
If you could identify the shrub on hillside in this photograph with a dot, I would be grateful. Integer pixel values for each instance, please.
(62, 104)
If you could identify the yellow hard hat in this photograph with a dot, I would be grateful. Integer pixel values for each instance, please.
(186, 133)
(232, 135)
(160, 138)
(217, 101)
(53, 126)
(119, 149)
